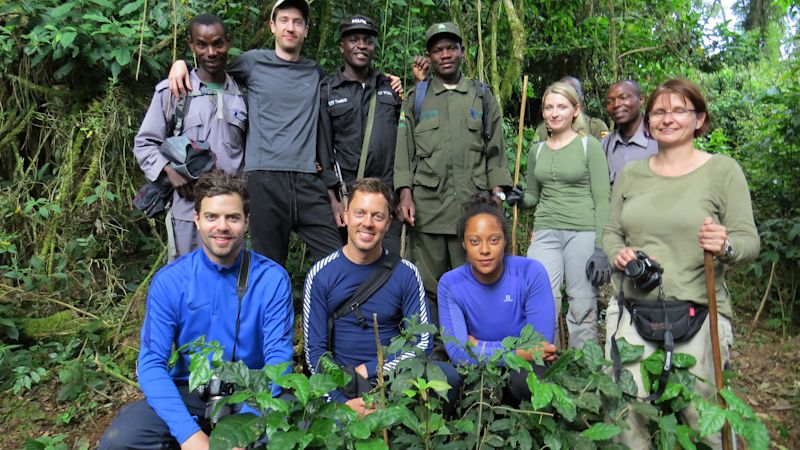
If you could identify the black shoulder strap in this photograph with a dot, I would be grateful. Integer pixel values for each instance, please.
(241, 289)
(370, 286)
(181, 106)
(419, 97)
(480, 87)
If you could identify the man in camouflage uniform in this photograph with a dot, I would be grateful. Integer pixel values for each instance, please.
(445, 153)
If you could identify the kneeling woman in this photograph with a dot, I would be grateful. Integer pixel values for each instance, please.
(494, 295)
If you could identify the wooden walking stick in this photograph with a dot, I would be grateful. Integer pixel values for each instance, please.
(380, 373)
(517, 161)
(711, 293)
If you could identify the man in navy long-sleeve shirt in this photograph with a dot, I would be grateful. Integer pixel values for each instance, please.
(197, 296)
(333, 281)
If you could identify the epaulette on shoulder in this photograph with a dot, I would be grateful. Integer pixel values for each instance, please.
(162, 85)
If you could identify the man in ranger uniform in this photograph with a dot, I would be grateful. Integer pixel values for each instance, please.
(215, 112)
(449, 145)
(358, 118)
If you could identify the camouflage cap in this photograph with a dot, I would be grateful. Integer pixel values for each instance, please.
(437, 29)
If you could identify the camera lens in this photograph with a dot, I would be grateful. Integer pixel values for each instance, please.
(634, 269)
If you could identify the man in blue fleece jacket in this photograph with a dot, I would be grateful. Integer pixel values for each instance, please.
(334, 280)
(197, 296)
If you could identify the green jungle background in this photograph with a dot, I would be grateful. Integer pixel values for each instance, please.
(76, 77)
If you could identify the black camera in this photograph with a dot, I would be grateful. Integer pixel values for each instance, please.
(644, 272)
(211, 393)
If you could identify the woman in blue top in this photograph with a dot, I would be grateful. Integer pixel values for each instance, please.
(494, 295)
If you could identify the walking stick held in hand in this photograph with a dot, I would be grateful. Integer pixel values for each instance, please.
(517, 161)
(711, 293)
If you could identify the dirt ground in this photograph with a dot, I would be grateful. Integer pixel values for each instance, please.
(767, 367)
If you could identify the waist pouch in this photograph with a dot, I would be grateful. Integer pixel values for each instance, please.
(683, 318)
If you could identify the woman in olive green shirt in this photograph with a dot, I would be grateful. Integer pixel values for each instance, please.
(567, 181)
(674, 206)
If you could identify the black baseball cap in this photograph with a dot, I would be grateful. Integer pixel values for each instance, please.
(442, 28)
(358, 22)
(302, 5)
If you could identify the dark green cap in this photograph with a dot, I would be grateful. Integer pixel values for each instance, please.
(437, 29)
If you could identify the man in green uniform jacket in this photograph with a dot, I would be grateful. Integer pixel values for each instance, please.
(445, 153)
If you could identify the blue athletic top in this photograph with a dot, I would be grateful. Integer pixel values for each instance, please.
(493, 312)
(330, 283)
(195, 297)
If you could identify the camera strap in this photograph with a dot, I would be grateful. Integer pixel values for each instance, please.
(668, 344)
(241, 289)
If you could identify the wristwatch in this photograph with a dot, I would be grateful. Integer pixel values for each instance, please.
(501, 195)
(728, 251)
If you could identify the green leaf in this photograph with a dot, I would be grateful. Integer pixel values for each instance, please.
(686, 437)
(67, 37)
(359, 429)
(284, 440)
(563, 403)
(301, 388)
(667, 426)
(593, 357)
(683, 360)
(238, 430)
(589, 401)
(654, 363)
(372, 444)
(712, 417)
(646, 409)
(606, 385)
(441, 387)
(130, 7)
(628, 384)
(465, 426)
(601, 431)
(321, 384)
(61, 11)
(96, 18)
(541, 394)
(671, 391)
(736, 404)
(552, 441)
(122, 55)
(628, 352)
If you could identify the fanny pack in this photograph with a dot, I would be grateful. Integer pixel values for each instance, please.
(658, 321)
(653, 318)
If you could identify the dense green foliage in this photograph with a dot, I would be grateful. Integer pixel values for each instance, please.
(575, 405)
(77, 75)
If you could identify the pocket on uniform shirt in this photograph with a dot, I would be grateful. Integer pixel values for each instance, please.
(479, 175)
(235, 132)
(425, 137)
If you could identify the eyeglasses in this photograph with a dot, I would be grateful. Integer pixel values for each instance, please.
(679, 113)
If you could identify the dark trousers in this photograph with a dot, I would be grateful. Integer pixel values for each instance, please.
(282, 202)
(517, 389)
(137, 426)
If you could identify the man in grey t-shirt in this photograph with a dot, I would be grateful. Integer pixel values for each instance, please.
(288, 193)
(629, 141)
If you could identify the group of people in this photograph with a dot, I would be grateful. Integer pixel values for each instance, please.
(343, 162)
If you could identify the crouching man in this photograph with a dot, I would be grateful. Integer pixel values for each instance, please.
(336, 280)
(220, 291)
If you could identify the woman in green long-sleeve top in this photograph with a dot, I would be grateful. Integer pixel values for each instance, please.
(567, 181)
(674, 206)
